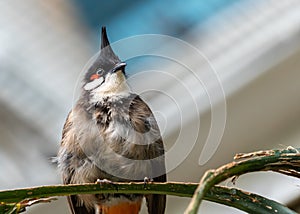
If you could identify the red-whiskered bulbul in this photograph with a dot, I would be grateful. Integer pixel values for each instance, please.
(111, 134)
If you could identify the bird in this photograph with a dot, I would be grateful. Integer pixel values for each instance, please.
(111, 134)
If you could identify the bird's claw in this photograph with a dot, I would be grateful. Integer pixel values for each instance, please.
(147, 180)
(103, 181)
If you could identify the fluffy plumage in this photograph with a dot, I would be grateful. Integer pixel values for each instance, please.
(111, 133)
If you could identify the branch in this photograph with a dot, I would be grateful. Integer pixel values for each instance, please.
(283, 161)
(17, 200)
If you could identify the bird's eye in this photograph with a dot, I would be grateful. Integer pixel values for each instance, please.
(97, 75)
(99, 72)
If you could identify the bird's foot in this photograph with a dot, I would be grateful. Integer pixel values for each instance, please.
(146, 181)
(103, 181)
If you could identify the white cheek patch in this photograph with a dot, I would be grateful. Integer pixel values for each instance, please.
(94, 84)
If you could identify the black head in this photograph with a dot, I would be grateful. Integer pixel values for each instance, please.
(107, 61)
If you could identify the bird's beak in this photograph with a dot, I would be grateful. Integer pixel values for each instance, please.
(118, 67)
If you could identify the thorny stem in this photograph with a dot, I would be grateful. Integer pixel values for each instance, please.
(285, 161)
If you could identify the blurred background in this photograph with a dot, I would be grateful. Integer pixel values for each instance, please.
(254, 47)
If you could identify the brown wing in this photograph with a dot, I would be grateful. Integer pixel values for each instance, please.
(75, 205)
(78, 209)
(143, 120)
(156, 204)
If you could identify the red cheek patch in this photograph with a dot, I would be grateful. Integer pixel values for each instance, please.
(94, 76)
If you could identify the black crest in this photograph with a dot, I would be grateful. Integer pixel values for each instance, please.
(106, 60)
(106, 50)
